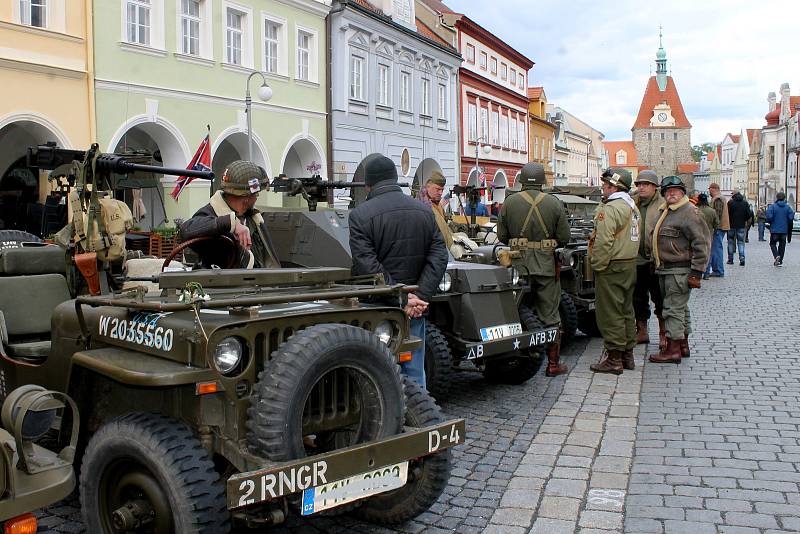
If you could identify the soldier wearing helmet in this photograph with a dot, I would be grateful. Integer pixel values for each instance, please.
(231, 213)
(680, 251)
(613, 248)
(534, 224)
(649, 202)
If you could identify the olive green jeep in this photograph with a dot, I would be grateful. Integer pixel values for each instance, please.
(229, 396)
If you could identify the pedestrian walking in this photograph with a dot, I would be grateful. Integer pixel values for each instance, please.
(680, 251)
(739, 212)
(749, 223)
(712, 221)
(649, 202)
(780, 218)
(395, 235)
(761, 220)
(534, 224)
(613, 248)
(720, 204)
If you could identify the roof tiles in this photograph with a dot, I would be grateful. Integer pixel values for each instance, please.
(615, 146)
(654, 96)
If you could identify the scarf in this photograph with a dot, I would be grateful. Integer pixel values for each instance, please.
(624, 196)
(682, 202)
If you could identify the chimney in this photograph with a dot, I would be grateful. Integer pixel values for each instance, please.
(771, 100)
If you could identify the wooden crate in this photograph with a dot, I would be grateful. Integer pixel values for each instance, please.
(161, 246)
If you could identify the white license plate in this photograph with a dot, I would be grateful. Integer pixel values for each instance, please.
(357, 487)
(491, 333)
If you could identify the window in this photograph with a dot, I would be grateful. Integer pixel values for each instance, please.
(485, 124)
(357, 77)
(622, 157)
(304, 44)
(675, 136)
(33, 12)
(473, 122)
(504, 130)
(234, 28)
(523, 143)
(503, 71)
(513, 77)
(190, 27)
(470, 53)
(483, 60)
(536, 148)
(662, 150)
(443, 111)
(493, 65)
(426, 97)
(384, 85)
(402, 8)
(272, 42)
(521, 81)
(405, 91)
(514, 133)
(662, 136)
(137, 19)
(771, 157)
(495, 126)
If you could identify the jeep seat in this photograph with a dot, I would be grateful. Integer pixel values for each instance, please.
(26, 307)
(32, 260)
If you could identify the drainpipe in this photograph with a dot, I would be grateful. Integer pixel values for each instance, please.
(329, 89)
(89, 28)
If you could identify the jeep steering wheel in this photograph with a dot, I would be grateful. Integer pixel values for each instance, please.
(229, 244)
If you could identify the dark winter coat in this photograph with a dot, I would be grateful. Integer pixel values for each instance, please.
(395, 235)
(739, 211)
(779, 217)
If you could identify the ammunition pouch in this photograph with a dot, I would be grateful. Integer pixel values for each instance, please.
(522, 243)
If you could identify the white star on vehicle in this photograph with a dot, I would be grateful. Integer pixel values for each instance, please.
(516, 344)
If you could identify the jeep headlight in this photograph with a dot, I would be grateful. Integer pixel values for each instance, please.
(385, 331)
(446, 283)
(228, 354)
(514, 276)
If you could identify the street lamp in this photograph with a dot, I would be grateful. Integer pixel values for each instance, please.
(265, 94)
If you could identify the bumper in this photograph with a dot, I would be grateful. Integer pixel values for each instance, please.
(279, 480)
(475, 350)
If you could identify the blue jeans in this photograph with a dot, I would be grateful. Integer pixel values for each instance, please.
(736, 241)
(762, 225)
(717, 264)
(415, 369)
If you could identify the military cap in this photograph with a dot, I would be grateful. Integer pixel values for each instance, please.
(437, 178)
(532, 174)
(670, 182)
(619, 178)
(242, 178)
(647, 176)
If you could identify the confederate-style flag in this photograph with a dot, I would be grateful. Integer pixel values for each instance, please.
(200, 162)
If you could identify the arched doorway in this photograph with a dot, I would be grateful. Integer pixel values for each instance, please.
(499, 186)
(231, 145)
(473, 181)
(167, 150)
(24, 201)
(303, 158)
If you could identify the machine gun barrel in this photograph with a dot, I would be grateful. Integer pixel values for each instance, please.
(117, 164)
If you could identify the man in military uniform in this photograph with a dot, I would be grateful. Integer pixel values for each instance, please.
(649, 202)
(431, 195)
(231, 213)
(613, 248)
(534, 224)
(680, 250)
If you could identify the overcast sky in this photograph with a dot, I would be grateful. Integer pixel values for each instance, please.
(594, 58)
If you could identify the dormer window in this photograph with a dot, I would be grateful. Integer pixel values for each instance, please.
(622, 157)
(402, 10)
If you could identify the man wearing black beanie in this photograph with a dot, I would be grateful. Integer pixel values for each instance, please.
(395, 235)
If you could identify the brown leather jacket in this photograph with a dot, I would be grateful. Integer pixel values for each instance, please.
(683, 238)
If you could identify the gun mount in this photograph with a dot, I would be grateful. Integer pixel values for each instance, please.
(473, 195)
(314, 189)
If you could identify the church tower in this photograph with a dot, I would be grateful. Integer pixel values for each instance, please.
(661, 133)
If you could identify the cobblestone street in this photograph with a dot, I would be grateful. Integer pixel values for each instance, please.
(711, 445)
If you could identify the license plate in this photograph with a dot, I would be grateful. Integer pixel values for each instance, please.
(491, 333)
(354, 488)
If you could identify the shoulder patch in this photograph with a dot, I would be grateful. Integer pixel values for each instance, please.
(601, 216)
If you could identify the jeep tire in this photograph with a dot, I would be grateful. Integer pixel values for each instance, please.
(569, 317)
(324, 355)
(427, 476)
(587, 323)
(144, 463)
(439, 371)
(517, 369)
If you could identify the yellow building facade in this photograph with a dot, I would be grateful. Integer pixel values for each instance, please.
(46, 94)
(541, 132)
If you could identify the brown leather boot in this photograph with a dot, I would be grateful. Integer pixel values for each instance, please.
(627, 360)
(641, 333)
(662, 334)
(554, 368)
(685, 347)
(672, 354)
(612, 363)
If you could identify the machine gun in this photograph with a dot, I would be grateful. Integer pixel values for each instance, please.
(473, 196)
(313, 189)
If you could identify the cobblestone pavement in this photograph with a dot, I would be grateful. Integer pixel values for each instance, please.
(711, 445)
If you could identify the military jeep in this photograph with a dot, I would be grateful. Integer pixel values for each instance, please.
(230, 396)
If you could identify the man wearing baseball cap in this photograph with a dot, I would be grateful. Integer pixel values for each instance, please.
(649, 202)
(613, 248)
(231, 213)
(680, 252)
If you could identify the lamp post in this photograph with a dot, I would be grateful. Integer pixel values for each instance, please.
(486, 150)
(265, 94)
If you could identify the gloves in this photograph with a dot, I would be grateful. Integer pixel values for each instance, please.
(694, 280)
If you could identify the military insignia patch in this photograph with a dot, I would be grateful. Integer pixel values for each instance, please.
(225, 177)
(601, 216)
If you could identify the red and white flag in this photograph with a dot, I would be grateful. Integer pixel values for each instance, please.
(200, 162)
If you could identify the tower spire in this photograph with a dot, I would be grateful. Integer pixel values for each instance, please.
(661, 62)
